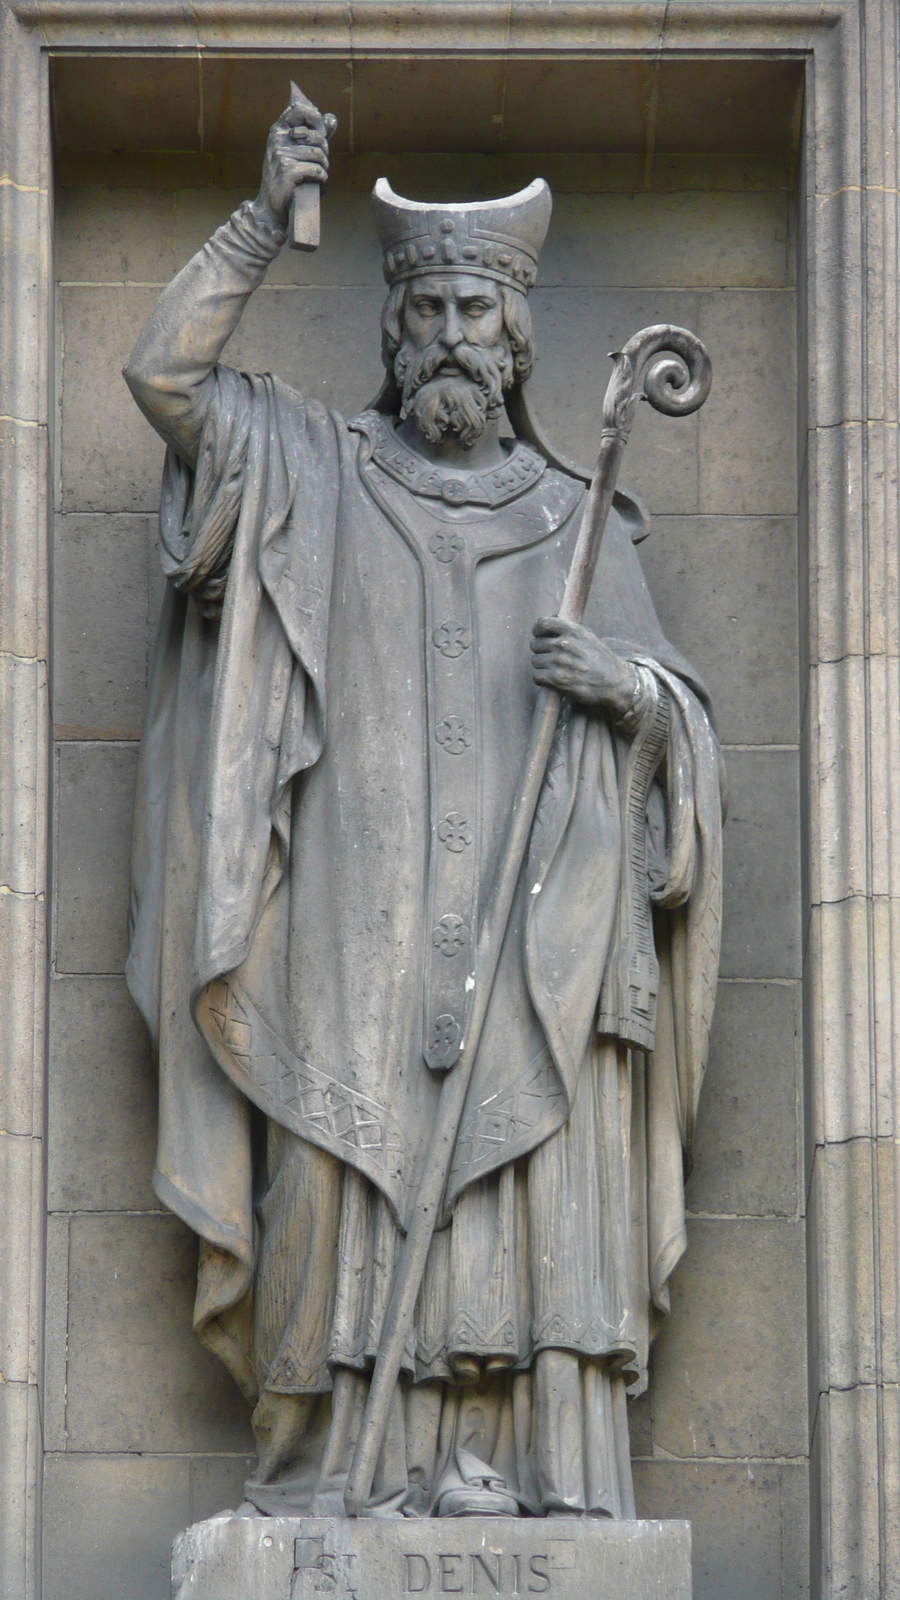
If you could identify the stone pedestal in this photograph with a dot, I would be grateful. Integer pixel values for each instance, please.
(301, 1558)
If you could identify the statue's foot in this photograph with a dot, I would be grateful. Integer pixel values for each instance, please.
(477, 1500)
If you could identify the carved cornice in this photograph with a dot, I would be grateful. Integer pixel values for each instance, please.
(386, 27)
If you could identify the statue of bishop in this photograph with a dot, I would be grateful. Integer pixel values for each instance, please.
(357, 620)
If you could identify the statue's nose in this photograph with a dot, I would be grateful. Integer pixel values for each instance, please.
(452, 330)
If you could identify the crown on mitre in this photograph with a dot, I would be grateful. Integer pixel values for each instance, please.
(499, 239)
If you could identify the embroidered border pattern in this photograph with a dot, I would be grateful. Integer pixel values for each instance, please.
(300, 1096)
(508, 1118)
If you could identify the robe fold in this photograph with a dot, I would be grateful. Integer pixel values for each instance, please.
(334, 729)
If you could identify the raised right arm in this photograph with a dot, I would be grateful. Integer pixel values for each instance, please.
(170, 370)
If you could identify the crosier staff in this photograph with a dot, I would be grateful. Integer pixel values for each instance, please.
(669, 367)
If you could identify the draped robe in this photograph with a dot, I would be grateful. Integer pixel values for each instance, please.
(287, 940)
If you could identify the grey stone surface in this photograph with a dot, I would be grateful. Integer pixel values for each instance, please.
(747, 430)
(834, 160)
(99, 1057)
(747, 1141)
(137, 1378)
(725, 589)
(607, 240)
(114, 235)
(321, 340)
(887, 1159)
(22, 1261)
(23, 778)
(102, 574)
(640, 1425)
(25, 330)
(851, 1512)
(23, 514)
(25, 338)
(217, 1484)
(109, 1522)
(742, 1549)
(839, 863)
(280, 1558)
(738, 241)
(575, 329)
(315, 338)
(795, 1531)
(729, 1374)
(56, 1332)
(21, 1450)
(348, 255)
(761, 917)
(853, 1193)
(23, 953)
(736, 253)
(110, 459)
(149, 89)
(839, 1020)
(94, 801)
(590, 101)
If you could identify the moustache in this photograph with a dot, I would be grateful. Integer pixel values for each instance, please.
(490, 369)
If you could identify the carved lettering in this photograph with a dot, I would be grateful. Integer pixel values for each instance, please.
(447, 1575)
(479, 1561)
(537, 1566)
(416, 1567)
(326, 1577)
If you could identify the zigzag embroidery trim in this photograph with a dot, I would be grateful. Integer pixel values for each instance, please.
(555, 1329)
(509, 1117)
(302, 1097)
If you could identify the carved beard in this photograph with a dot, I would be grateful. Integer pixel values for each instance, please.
(453, 404)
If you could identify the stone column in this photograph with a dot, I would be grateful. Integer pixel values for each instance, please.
(25, 341)
(852, 737)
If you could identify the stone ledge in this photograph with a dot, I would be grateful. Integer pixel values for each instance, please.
(298, 1558)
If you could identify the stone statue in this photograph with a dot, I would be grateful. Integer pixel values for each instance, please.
(359, 620)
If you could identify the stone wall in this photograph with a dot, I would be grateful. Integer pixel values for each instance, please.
(145, 1433)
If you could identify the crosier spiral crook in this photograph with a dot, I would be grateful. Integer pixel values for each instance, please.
(676, 383)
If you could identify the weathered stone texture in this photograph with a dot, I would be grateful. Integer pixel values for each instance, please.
(136, 1378)
(109, 584)
(761, 917)
(748, 1524)
(109, 1522)
(123, 1371)
(726, 591)
(285, 1558)
(99, 1057)
(95, 791)
(746, 1148)
(737, 1307)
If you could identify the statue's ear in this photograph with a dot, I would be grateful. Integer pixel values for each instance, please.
(633, 512)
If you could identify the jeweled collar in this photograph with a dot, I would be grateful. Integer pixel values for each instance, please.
(494, 487)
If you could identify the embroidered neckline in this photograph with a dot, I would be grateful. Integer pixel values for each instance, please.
(495, 487)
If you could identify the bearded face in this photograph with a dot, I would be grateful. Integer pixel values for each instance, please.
(453, 359)
(453, 394)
